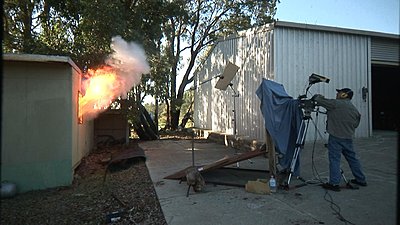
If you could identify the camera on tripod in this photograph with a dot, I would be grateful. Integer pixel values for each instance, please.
(315, 78)
(309, 105)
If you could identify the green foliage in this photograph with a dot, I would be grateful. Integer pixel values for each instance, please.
(187, 105)
(17, 25)
(197, 25)
(187, 108)
(82, 29)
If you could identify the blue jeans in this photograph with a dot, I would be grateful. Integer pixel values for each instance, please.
(336, 147)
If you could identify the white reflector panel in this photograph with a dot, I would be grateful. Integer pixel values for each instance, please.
(227, 76)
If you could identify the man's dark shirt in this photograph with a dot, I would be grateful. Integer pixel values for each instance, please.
(343, 116)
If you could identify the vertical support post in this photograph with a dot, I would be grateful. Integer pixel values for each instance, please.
(234, 115)
(193, 134)
(235, 95)
(271, 153)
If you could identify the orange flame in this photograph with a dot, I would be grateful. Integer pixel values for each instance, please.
(101, 89)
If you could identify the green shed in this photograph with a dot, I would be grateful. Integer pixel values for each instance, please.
(43, 138)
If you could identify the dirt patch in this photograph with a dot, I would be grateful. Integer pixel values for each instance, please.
(126, 196)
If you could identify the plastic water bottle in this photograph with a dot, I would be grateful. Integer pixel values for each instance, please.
(272, 184)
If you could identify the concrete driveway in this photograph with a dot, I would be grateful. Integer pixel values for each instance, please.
(310, 204)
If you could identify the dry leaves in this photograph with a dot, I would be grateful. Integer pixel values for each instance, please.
(126, 196)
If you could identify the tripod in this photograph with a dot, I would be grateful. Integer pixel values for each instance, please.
(308, 107)
(300, 144)
(301, 136)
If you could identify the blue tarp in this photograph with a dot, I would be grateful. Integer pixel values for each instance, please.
(282, 116)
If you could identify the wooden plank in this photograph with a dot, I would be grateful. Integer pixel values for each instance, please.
(271, 153)
(218, 164)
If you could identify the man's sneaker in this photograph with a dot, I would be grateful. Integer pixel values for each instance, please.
(331, 187)
(354, 181)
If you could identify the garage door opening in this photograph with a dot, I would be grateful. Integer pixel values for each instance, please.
(385, 97)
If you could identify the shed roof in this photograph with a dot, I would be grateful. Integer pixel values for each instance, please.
(335, 29)
(40, 58)
(271, 26)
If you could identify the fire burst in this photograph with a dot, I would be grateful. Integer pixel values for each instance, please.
(101, 88)
(123, 70)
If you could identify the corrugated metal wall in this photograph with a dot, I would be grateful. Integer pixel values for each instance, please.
(384, 51)
(252, 52)
(288, 56)
(342, 57)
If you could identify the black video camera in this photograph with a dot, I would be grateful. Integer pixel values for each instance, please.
(308, 105)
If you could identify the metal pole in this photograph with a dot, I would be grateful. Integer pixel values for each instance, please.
(192, 147)
(208, 80)
(234, 115)
(235, 95)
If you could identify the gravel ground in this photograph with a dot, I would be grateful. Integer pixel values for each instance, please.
(91, 199)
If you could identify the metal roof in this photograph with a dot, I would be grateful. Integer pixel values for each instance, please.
(334, 29)
(40, 58)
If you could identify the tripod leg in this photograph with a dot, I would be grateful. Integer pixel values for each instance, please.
(293, 164)
(344, 178)
(187, 193)
(348, 184)
(299, 143)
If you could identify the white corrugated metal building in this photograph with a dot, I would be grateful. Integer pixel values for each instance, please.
(289, 53)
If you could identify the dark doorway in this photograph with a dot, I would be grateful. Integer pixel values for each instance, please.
(385, 97)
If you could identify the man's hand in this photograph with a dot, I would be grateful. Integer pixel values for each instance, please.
(316, 96)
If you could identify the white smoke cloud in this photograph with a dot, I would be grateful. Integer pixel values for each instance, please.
(130, 61)
(124, 70)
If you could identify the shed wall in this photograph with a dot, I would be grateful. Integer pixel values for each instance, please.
(288, 56)
(252, 52)
(82, 134)
(36, 128)
(41, 138)
(342, 57)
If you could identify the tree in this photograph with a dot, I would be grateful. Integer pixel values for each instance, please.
(197, 24)
(187, 108)
(83, 29)
(18, 28)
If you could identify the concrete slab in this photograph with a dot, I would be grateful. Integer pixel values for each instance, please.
(310, 204)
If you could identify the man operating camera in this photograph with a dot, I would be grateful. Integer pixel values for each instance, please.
(342, 120)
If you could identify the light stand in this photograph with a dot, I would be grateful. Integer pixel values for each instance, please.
(235, 95)
(193, 135)
(193, 132)
(222, 84)
(224, 80)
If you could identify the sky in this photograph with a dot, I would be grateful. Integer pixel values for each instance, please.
(370, 15)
